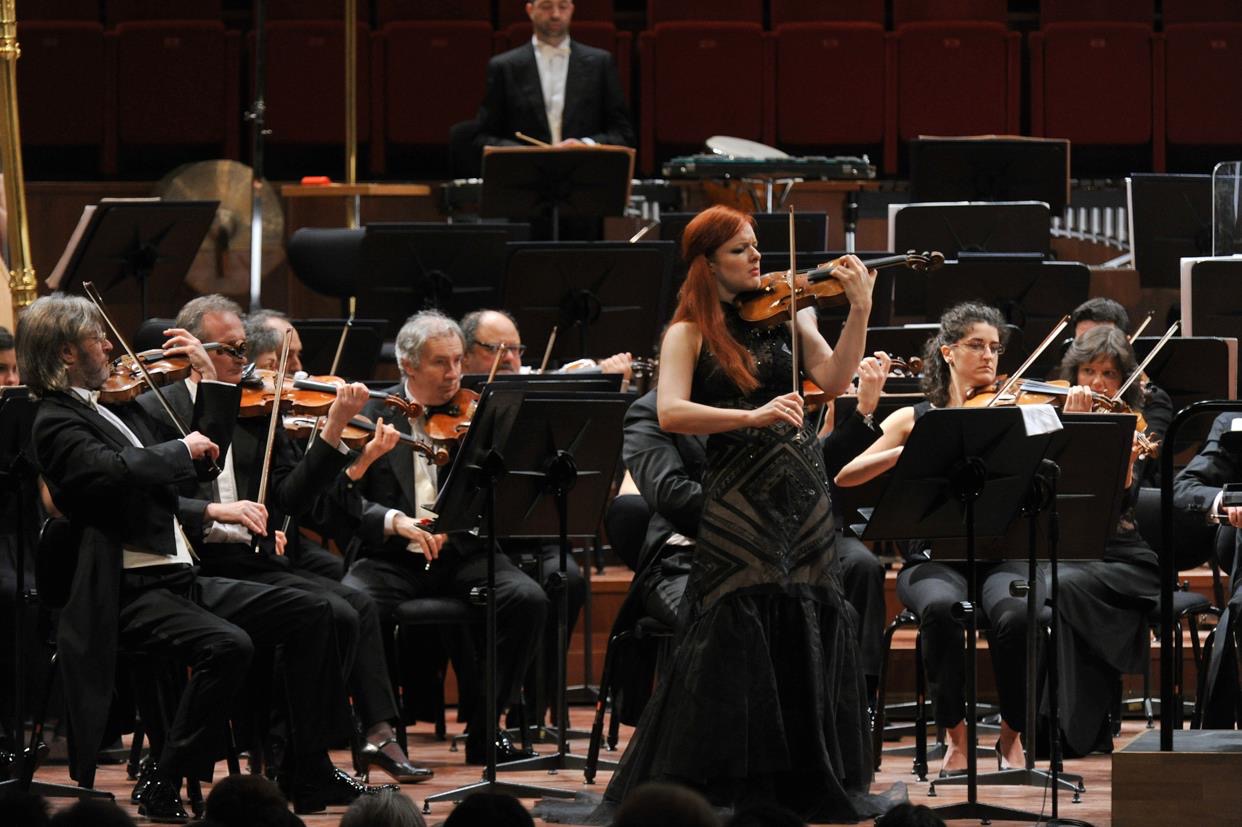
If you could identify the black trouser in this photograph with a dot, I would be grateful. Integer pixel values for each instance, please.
(311, 556)
(929, 590)
(862, 578)
(521, 605)
(212, 625)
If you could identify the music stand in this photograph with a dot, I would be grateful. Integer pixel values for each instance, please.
(17, 475)
(505, 477)
(1189, 369)
(139, 241)
(320, 338)
(456, 267)
(964, 473)
(991, 169)
(574, 381)
(328, 260)
(523, 183)
(1170, 219)
(603, 297)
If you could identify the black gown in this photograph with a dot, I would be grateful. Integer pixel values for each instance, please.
(764, 698)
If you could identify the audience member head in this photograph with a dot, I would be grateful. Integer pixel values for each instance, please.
(1096, 312)
(387, 809)
(216, 318)
(430, 347)
(1102, 359)
(965, 349)
(665, 805)
(61, 344)
(489, 810)
(92, 812)
(8, 359)
(550, 19)
(23, 809)
(486, 332)
(265, 331)
(248, 801)
(765, 815)
(910, 815)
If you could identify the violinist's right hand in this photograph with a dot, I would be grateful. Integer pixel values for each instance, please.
(1078, 400)
(200, 446)
(429, 544)
(786, 408)
(1231, 515)
(247, 513)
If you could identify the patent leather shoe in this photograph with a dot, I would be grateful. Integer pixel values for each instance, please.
(337, 789)
(402, 771)
(161, 803)
(506, 750)
(146, 777)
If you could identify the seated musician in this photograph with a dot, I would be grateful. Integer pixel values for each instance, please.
(554, 89)
(961, 357)
(490, 331)
(401, 561)
(298, 480)
(1103, 604)
(265, 331)
(135, 587)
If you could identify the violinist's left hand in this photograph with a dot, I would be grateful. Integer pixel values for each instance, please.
(349, 402)
(617, 363)
(872, 373)
(856, 279)
(182, 343)
(1078, 400)
(385, 439)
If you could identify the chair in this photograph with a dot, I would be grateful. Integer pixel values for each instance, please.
(425, 612)
(663, 11)
(1098, 82)
(584, 10)
(903, 619)
(124, 11)
(1203, 59)
(314, 10)
(683, 68)
(818, 11)
(952, 76)
(390, 11)
(83, 10)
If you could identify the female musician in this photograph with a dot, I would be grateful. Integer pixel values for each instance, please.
(764, 698)
(961, 356)
(1103, 604)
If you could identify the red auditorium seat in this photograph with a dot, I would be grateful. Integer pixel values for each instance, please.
(665, 11)
(390, 11)
(952, 76)
(1203, 64)
(87, 10)
(810, 117)
(123, 11)
(430, 74)
(700, 79)
(509, 12)
(816, 11)
(314, 10)
(63, 62)
(1098, 81)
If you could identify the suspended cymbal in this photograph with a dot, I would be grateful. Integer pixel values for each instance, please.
(223, 262)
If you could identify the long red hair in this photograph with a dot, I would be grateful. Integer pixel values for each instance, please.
(698, 301)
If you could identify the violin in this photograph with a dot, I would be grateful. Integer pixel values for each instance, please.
(358, 432)
(450, 421)
(911, 368)
(326, 386)
(258, 387)
(771, 304)
(127, 381)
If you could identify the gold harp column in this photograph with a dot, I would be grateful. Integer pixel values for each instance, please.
(22, 283)
(351, 107)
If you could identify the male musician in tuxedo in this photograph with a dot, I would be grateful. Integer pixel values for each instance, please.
(299, 482)
(9, 376)
(135, 588)
(401, 561)
(1198, 490)
(553, 89)
(488, 332)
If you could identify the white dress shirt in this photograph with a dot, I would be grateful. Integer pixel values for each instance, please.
(553, 64)
(426, 478)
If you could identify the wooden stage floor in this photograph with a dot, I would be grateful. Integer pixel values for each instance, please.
(451, 772)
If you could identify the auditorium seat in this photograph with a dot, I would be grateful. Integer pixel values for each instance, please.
(177, 92)
(430, 74)
(63, 69)
(1097, 79)
(85, 10)
(1203, 61)
(952, 76)
(819, 11)
(811, 117)
(699, 79)
(508, 13)
(742, 11)
(390, 11)
(123, 11)
(314, 10)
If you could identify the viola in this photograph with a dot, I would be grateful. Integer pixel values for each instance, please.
(127, 381)
(771, 303)
(358, 432)
(450, 421)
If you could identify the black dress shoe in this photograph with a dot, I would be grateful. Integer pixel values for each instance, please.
(337, 789)
(161, 803)
(146, 777)
(506, 750)
(402, 771)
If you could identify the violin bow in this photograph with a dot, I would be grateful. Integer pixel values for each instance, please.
(793, 303)
(491, 374)
(1142, 326)
(340, 345)
(547, 351)
(1030, 360)
(88, 287)
(1138, 371)
(273, 422)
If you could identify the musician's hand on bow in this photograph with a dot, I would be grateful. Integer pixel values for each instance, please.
(1232, 515)
(247, 513)
(182, 343)
(420, 540)
(787, 408)
(856, 279)
(200, 446)
(872, 374)
(572, 142)
(1078, 400)
(282, 541)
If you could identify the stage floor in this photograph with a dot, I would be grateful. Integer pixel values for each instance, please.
(451, 772)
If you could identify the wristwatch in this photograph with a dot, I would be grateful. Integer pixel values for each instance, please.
(869, 421)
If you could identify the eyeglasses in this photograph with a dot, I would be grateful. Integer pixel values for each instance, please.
(496, 348)
(237, 350)
(978, 347)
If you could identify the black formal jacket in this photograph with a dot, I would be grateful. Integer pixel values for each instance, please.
(295, 485)
(116, 494)
(1195, 487)
(594, 107)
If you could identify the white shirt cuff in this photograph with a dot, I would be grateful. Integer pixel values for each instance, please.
(390, 517)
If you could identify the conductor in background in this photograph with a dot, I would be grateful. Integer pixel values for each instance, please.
(553, 89)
